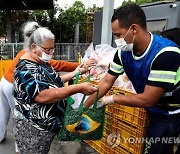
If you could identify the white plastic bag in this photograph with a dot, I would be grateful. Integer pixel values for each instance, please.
(123, 82)
(103, 54)
(78, 98)
(88, 52)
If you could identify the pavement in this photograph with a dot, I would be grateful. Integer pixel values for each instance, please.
(80, 147)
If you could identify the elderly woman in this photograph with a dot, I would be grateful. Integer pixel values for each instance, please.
(6, 83)
(39, 93)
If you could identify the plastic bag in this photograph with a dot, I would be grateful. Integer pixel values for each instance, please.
(103, 54)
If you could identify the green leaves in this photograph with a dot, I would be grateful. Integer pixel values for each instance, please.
(60, 21)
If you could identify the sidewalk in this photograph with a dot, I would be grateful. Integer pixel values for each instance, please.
(7, 147)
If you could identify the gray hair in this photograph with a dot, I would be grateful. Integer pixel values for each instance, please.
(34, 33)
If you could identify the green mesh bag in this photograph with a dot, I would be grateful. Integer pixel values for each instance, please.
(82, 123)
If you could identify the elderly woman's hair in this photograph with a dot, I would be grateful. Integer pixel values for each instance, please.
(34, 33)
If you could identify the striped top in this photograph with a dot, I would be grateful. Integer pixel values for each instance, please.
(159, 66)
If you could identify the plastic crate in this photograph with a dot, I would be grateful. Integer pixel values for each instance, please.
(128, 122)
(120, 150)
(132, 115)
(4, 66)
(88, 142)
(96, 145)
(131, 138)
(103, 147)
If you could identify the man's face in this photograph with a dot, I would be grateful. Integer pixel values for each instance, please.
(121, 32)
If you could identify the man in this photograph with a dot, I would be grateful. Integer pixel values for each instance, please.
(152, 64)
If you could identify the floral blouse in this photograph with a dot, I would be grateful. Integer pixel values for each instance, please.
(30, 78)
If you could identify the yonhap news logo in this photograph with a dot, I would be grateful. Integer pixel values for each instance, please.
(115, 139)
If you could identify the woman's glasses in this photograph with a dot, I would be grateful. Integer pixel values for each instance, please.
(48, 50)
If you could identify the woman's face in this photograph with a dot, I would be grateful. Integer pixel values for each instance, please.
(47, 47)
(44, 51)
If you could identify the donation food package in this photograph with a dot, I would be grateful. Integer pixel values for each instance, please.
(104, 54)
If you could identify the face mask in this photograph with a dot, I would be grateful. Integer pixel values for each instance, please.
(121, 43)
(45, 57)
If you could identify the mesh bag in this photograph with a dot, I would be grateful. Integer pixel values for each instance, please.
(82, 123)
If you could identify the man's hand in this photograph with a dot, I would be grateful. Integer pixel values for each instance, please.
(107, 100)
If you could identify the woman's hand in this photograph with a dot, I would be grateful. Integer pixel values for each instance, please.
(68, 76)
(88, 88)
(90, 62)
(86, 66)
(82, 68)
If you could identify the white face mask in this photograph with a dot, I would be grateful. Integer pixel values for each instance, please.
(122, 45)
(45, 57)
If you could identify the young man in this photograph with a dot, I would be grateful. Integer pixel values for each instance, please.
(152, 64)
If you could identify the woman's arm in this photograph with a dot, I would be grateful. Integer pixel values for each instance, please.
(68, 76)
(65, 66)
(52, 95)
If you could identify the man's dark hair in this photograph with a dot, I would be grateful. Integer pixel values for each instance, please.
(130, 14)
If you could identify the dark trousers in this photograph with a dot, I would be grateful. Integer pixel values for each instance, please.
(162, 134)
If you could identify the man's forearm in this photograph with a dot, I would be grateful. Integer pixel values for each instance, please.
(104, 87)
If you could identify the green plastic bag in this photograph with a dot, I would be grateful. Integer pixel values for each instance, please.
(83, 123)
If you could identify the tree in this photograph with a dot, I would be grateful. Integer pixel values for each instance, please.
(48, 18)
(69, 18)
(2, 24)
(17, 18)
(63, 25)
(139, 2)
(60, 22)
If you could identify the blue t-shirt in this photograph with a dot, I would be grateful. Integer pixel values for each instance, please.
(30, 78)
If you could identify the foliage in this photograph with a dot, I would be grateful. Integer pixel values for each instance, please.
(139, 2)
(47, 18)
(2, 23)
(61, 21)
(127, 2)
(69, 18)
(17, 18)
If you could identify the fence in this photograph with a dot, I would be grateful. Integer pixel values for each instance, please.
(63, 51)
